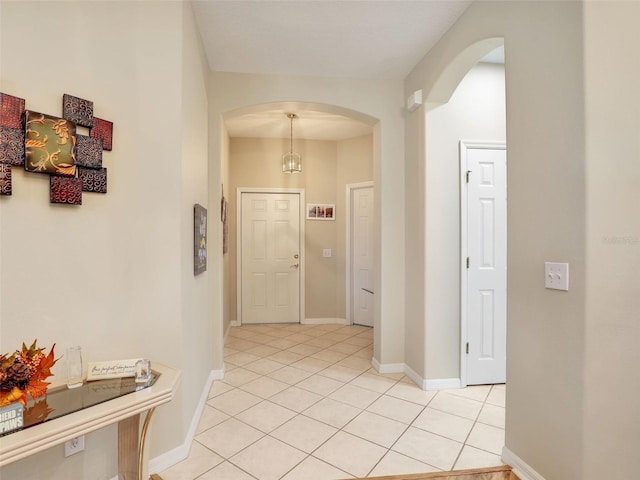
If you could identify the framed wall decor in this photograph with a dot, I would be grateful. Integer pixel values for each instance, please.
(321, 211)
(199, 239)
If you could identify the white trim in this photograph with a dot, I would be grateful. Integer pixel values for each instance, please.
(519, 466)
(417, 379)
(349, 280)
(443, 384)
(234, 323)
(388, 367)
(324, 321)
(301, 233)
(465, 145)
(181, 452)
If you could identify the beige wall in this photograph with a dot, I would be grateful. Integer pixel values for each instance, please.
(570, 406)
(115, 274)
(545, 138)
(327, 166)
(612, 70)
(475, 112)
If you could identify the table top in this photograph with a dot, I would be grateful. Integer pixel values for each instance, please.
(68, 413)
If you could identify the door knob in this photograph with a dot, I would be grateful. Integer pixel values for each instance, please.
(295, 265)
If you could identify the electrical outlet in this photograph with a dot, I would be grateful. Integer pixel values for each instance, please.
(74, 446)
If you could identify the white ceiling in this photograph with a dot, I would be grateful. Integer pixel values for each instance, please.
(337, 38)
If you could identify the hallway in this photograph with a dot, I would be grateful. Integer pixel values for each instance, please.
(301, 402)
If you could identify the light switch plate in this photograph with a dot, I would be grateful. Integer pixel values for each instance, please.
(556, 276)
(326, 252)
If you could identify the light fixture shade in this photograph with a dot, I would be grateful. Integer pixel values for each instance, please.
(291, 163)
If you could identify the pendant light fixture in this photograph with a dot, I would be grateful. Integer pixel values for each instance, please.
(291, 161)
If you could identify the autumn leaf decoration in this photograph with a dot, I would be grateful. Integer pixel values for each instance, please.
(24, 373)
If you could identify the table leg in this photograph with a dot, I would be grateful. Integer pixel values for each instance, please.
(128, 457)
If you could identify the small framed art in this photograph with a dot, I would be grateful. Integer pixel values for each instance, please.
(199, 239)
(321, 211)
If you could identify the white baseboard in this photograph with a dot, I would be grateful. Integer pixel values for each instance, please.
(324, 321)
(387, 367)
(443, 384)
(417, 379)
(235, 323)
(433, 384)
(519, 466)
(170, 458)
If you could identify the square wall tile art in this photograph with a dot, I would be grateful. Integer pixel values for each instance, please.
(66, 190)
(88, 152)
(93, 180)
(11, 146)
(5, 179)
(11, 111)
(102, 130)
(77, 110)
(50, 143)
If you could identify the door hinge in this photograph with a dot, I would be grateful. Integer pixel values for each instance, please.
(467, 348)
(467, 262)
(467, 175)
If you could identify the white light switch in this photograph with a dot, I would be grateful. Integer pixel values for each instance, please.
(556, 276)
(326, 252)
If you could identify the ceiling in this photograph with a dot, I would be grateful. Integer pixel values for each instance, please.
(377, 39)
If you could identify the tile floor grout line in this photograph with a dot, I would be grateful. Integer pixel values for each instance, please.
(264, 335)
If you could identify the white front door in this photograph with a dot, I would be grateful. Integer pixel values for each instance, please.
(270, 258)
(362, 255)
(484, 169)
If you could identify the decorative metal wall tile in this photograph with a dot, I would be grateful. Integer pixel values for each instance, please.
(77, 110)
(11, 146)
(93, 180)
(50, 145)
(11, 111)
(66, 190)
(5, 179)
(88, 152)
(103, 130)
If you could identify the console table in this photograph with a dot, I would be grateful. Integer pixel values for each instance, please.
(125, 410)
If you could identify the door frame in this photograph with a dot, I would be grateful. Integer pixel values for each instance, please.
(302, 208)
(464, 146)
(349, 267)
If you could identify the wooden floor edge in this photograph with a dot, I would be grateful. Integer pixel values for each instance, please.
(502, 472)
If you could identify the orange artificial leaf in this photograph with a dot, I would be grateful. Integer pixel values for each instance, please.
(46, 363)
(37, 388)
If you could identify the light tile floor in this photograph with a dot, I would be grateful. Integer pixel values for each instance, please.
(301, 402)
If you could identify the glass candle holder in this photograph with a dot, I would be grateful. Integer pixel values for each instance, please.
(74, 367)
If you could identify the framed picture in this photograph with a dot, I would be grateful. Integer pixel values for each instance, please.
(321, 211)
(199, 239)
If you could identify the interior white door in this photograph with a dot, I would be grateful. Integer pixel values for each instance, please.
(362, 255)
(486, 309)
(270, 256)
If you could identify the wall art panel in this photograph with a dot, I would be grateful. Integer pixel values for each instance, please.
(102, 130)
(66, 190)
(11, 146)
(93, 180)
(5, 179)
(77, 110)
(11, 111)
(88, 152)
(50, 145)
